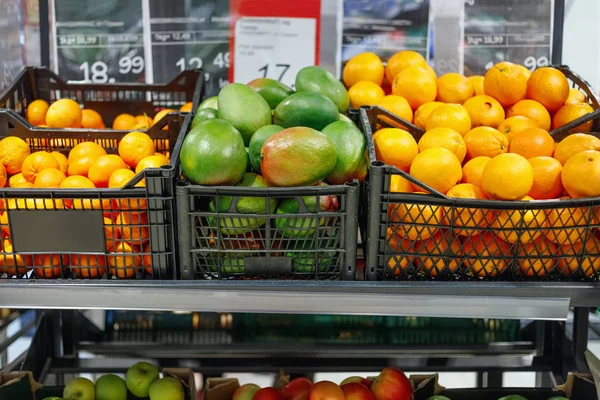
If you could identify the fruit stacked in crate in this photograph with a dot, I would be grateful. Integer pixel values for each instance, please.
(273, 164)
(485, 141)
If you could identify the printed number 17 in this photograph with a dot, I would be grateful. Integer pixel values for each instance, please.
(284, 68)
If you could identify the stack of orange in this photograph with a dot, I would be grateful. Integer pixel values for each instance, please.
(485, 138)
(87, 166)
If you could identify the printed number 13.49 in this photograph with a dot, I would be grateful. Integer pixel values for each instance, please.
(283, 68)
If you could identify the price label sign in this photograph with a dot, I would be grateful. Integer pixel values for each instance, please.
(510, 30)
(99, 43)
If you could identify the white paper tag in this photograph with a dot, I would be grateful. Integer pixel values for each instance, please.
(274, 48)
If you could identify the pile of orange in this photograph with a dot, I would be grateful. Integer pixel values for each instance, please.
(86, 166)
(485, 138)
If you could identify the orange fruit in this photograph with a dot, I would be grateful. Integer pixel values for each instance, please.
(473, 169)
(365, 93)
(81, 182)
(147, 259)
(575, 96)
(363, 67)
(477, 83)
(484, 111)
(485, 141)
(124, 266)
(525, 71)
(161, 114)
(111, 234)
(580, 174)
(124, 122)
(454, 88)
(399, 184)
(507, 177)
(88, 265)
(16, 180)
(535, 258)
(49, 178)
(13, 151)
(395, 147)
(453, 116)
(416, 85)
(515, 124)
(505, 82)
(101, 170)
(567, 226)
(437, 253)
(154, 161)
(136, 146)
(472, 219)
(533, 110)
(400, 249)
(401, 61)
(532, 142)
(438, 168)
(446, 138)
(49, 265)
(82, 156)
(120, 178)
(422, 113)
(570, 112)
(64, 113)
(580, 256)
(549, 87)
(63, 162)
(5, 225)
(36, 162)
(416, 221)
(519, 225)
(547, 182)
(3, 177)
(133, 226)
(573, 144)
(91, 119)
(13, 264)
(25, 184)
(396, 105)
(485, 255)
(36, 112)
(143, 120)
(187, 107)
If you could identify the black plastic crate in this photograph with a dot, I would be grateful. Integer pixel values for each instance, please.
(312, 244)
(63, 233)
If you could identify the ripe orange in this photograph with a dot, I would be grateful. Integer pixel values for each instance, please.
(187, 107)
(363, 67)
(401, 61)
(422, 113)
(570, 112)
(505, 82)
(525, 71)
(472, 219)
(155, 161)
(446, 138)
(532, 142)
(91, 119)
(546, 178)
(485, 141)
(401, 248)
(135, 146)
(147, 259)
(120, 178)
(161, 114)
(88, 265)
(477, 83)
(567, 226)
(573, 144)
(485, 255)
(484, 111)
(507, 177)
(519, 225)
(81, 182)
(365, 93)
(101, 170)
(13, 264)
(396, 105)
(454, 88)
(13, 151)
(36, 112)
(5, 225)
(82, 156)
(143, 121)
(64, 113)
(133, 226)
(438, 253)
(534, 258)
(580, 256)
(416, 85)
(580, 174)
(395, 147)
(49, 178)
(438, 168)
(548, 86)
(3, 177)
(49, 265)
(16, 180)
(63, 162)
(515, 124)
(111, 234)
(575, 96)
(124, 122)
(473, 169)
(532, 110)
(36, 162)
(453, 116)
(124, 266)
(416, 221)
(399, 184)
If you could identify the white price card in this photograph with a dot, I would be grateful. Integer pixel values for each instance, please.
(274, 48)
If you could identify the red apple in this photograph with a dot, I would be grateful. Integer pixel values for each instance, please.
(245, 392)
(297, 389)
(326, 390)
(268, 393)
(392, 384)
(357, 379)
(357, 391)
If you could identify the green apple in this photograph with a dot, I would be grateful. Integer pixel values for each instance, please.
(111, 387)
(139, 377)
(167, 388)
(80, 389)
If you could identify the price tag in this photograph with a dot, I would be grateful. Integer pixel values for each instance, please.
(512, 30)
(276, 48)
(11, 59)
